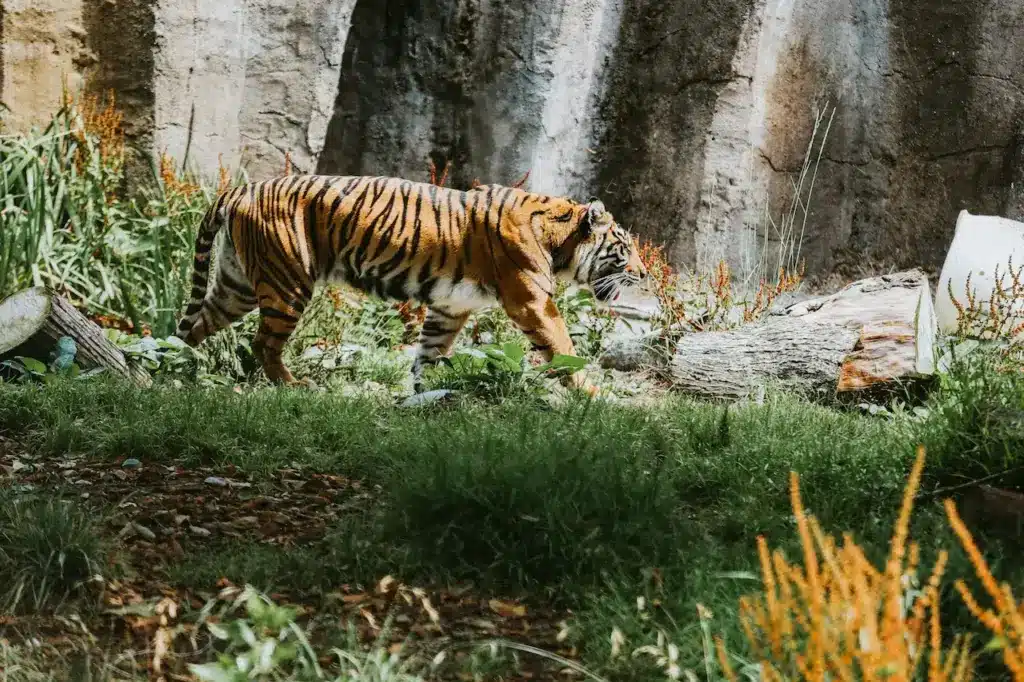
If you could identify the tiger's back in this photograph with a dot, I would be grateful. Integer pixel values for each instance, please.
(454, 251)
(377, 234)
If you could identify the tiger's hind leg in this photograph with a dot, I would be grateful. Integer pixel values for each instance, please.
(440, 328)
(278, 319)
(228, 301)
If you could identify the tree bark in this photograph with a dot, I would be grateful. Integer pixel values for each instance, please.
(874, 335)
(789, 352)
(33, 320)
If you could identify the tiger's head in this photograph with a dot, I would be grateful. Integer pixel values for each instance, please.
(599, 253)
(586, 245)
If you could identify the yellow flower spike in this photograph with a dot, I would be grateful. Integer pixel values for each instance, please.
(723, 660)
(828, 552)
(1013, 614)
(977, 560)
(770, 593)
(892, 621)
(935, 642)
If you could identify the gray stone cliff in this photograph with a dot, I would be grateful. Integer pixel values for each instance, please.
(689, 119)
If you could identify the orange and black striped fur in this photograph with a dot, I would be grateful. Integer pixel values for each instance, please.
(454, 251)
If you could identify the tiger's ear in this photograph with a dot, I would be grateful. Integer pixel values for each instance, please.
(596, 218)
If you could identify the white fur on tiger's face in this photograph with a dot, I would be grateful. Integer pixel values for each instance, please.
(607, 261)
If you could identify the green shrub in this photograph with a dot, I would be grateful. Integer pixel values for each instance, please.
(65, 223)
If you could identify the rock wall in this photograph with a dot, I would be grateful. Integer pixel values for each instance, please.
(43, 44)
(929, 97)
(122, 36)
(495, 87)
(690, 120)
(199, 81)
(247, 81)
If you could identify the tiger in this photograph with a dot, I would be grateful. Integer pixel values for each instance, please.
(454, 251)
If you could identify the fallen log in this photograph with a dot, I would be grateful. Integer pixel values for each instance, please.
(32, 321)
(876, 333)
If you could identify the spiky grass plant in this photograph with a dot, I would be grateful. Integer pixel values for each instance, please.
(709, 302)
(64, 222)
(48, 549)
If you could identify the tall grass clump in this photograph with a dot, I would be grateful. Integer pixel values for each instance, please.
(975, 425)
(48, 549)
(58, 187)
(66, 223)
(975, 428)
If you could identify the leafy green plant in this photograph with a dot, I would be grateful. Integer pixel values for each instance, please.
(488, 371)
(224, 359)
(64, 224)
(155, 245)
(56, 186)
(62, 364)
(499, 372)
(974, 427)
(260, 640)
(588, 324)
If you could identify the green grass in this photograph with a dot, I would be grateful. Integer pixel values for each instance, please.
(513, 495)
(976, 429)
(48, 549)
(579, 505)
(561, 504)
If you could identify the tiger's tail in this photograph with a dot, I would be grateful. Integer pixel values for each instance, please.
(213, 221)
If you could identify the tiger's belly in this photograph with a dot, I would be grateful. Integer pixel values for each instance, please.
(462, 296)
(442, 292)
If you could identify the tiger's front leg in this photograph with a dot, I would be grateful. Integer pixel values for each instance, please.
(440, 327)
(538, 317)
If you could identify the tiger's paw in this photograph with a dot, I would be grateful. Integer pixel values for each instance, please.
(586, 389)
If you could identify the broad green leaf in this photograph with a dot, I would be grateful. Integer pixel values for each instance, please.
(566, 362)
(175, 342)
(33, 365)
(213, 672)
(514, 352)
